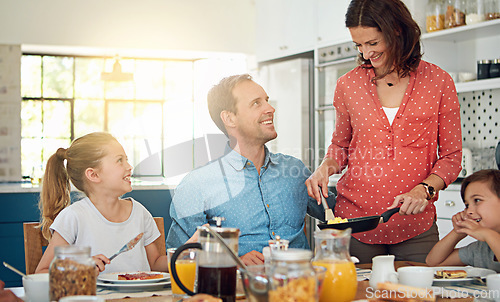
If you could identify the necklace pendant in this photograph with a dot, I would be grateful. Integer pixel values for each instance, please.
(390, 84)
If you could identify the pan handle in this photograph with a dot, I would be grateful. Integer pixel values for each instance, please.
(387, 214)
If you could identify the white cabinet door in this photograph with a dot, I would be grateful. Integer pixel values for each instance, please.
(448, 204)
(284, 27)
(331, 22)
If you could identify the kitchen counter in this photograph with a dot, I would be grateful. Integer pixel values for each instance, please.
(27, 187)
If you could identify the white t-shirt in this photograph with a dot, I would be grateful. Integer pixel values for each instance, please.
(390, 113)
(81, 224)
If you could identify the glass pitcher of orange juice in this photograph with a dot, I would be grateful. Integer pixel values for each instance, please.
(332, 252)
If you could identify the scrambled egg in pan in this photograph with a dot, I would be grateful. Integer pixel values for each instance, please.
(337, 220)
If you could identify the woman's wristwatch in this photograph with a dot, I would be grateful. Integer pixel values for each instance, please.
(431, 192)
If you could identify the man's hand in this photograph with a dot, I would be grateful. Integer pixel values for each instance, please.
(196, 235)
(7, 295)
(253, 258)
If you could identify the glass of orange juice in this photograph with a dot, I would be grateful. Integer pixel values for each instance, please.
(186, 269)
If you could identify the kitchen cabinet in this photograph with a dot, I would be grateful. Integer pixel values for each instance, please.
(448, 204)
(330, 22)
(284, 28)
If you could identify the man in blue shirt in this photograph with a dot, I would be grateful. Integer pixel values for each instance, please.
(261, 193)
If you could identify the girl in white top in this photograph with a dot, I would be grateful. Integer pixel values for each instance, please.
(97, 165)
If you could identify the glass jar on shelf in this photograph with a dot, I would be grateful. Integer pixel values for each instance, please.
(475, 12)
(492, 9)
(454, 14)
(434, 15)
(71, 272)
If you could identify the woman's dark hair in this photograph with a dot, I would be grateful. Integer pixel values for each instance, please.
(401, 33)
(491, 176)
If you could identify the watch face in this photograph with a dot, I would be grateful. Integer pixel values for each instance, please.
(432, 191)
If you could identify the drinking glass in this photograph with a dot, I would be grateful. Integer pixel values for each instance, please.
(186, 269)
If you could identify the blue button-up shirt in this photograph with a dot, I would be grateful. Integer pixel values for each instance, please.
(263, 206)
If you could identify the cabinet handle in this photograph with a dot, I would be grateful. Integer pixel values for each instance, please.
(449, 203)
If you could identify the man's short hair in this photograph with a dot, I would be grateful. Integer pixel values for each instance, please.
(221, 98)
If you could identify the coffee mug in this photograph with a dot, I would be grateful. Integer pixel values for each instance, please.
(416, 276)
(36, 287)
(493, 284)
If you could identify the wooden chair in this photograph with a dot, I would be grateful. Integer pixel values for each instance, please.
(33, 245)
(160, 241)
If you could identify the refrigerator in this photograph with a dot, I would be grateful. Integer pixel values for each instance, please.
(290, 87)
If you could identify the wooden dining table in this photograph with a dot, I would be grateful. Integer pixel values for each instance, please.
(165, 294)
(361, 293)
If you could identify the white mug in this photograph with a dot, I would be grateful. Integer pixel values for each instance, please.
(416, 276)
(36, 287)
(493, 284)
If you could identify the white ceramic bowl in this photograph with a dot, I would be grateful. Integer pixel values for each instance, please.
(81, 299)
(493, 284)
(466, 76)
(36, 288)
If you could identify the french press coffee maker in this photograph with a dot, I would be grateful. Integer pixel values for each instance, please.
(216, 269)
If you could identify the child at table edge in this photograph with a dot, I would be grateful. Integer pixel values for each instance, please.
(481, 194)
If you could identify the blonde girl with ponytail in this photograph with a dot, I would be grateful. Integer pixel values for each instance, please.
(96, 164)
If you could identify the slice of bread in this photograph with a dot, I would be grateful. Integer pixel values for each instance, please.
(388, 291)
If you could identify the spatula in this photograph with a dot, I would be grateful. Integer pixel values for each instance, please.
(127, 247)
(328, 212)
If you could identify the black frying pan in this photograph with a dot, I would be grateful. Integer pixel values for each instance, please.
(361, 224)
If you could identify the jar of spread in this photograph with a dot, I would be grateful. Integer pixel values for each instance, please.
(72, 272)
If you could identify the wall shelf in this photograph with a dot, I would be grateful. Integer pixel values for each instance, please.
(478, 85)
(466, 32)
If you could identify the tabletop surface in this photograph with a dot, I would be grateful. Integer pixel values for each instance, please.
(165, 294)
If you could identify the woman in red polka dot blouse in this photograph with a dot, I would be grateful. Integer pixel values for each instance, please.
(397, 131)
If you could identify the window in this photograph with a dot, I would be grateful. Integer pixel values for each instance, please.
(65, 98)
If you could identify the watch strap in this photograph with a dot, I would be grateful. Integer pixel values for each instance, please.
(431, 192)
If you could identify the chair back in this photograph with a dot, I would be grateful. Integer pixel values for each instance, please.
(160, 241)
(33, 245)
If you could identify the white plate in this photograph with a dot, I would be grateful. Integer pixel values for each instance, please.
(138, 286)
(471, 272)
(113, 278)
